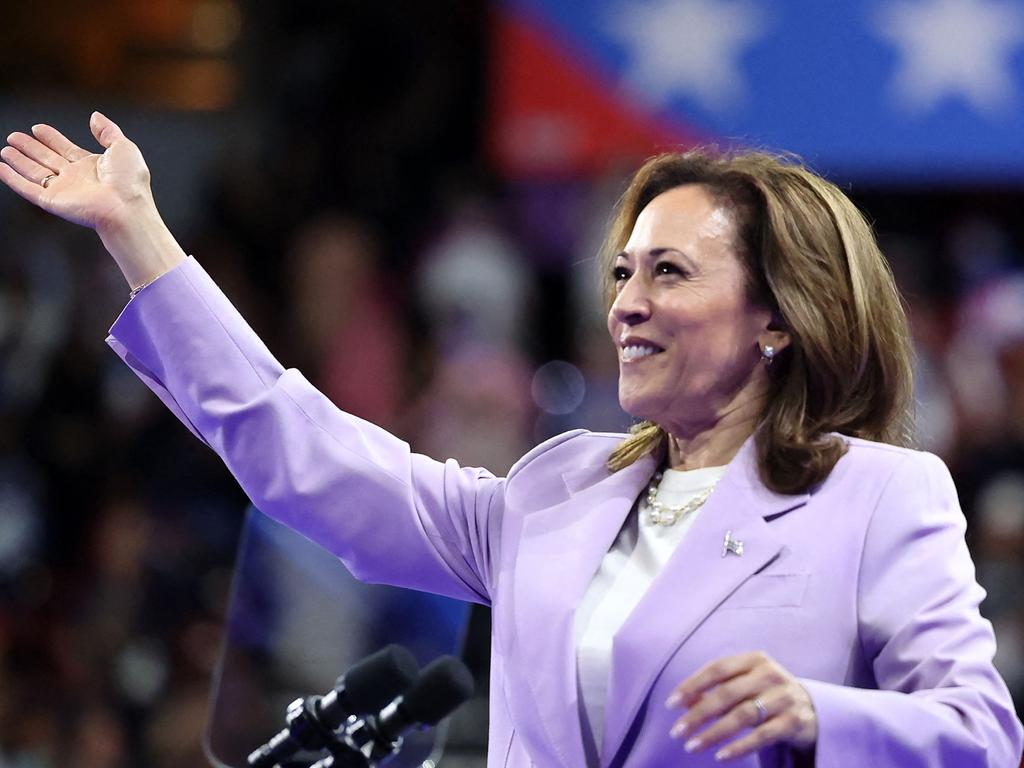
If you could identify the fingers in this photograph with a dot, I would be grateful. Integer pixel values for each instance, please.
(711, 674)
(24, 165)
(721, 699)
(767, 734)
(104, 129)
(32, 160)
(58, 142)
(52, 150)
(726, 693)
(746, 714)
(789, 723)
(29, 190)
(35, 150)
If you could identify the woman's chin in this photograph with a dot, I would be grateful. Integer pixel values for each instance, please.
(639, 408)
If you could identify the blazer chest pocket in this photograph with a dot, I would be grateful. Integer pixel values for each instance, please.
(769, 590)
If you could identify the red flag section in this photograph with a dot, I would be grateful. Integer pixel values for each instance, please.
(551, 116)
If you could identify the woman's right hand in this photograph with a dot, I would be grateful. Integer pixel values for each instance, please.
(107, 192)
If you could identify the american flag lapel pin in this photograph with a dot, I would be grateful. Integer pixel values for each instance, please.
(732, 545)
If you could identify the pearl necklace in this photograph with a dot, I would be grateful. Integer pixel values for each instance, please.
(666, 514)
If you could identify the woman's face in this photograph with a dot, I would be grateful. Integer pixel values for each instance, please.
(686, 334)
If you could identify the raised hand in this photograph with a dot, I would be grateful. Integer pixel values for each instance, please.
(107, 192)
(94, 190)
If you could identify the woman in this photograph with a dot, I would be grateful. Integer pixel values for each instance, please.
(758, 573)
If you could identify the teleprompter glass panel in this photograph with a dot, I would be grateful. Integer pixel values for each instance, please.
(296, 621)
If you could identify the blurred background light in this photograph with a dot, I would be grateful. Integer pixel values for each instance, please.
(558, 387)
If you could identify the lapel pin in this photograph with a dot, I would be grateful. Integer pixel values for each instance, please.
(732, 545)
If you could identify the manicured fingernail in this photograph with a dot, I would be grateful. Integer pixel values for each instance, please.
(678, 730)
(673, 701)
(692, 745)
(722, 754)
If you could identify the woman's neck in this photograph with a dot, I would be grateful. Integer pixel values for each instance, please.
(713, 443)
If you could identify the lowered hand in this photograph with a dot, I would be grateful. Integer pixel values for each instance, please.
(745, 691)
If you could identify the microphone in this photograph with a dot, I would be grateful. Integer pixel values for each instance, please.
(369, 685)
(444, 684)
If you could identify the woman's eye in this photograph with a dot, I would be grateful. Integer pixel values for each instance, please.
(667, 268)
(619, 274)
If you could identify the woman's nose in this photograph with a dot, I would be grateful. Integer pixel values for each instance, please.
(631, 305)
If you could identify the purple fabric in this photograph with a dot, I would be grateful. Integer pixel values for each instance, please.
(863, 588)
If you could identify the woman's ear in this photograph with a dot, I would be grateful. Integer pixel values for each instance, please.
(776, 334)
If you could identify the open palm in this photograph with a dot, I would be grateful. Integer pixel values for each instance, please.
(94, 190)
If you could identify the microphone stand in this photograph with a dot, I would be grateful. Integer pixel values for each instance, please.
(307, 729)
(359, 745)
(364, 741)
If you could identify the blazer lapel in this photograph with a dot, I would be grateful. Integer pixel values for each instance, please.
(559, 552)
(697, 578)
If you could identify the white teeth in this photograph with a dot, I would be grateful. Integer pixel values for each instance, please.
(635, 351)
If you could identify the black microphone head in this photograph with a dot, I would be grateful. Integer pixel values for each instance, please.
(442, 686)
(377, 679)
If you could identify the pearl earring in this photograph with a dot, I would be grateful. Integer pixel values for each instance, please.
(768, 354)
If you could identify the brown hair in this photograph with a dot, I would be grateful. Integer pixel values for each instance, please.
(811, 257)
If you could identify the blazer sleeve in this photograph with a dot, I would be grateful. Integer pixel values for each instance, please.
(393, 516)
(940, 701)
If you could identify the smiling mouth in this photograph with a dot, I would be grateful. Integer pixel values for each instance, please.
(637, 352)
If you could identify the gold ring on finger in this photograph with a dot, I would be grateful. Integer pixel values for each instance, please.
(47, 179)
(762, 710)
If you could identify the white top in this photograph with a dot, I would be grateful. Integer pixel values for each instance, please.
(635, 558)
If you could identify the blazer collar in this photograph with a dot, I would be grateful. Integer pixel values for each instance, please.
(741, 478)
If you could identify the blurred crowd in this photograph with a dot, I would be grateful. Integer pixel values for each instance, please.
(370, 250)
(118, 529)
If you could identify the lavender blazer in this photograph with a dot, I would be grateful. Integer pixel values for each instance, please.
(862, 587)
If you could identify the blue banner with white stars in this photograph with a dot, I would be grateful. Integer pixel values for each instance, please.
(909, 90)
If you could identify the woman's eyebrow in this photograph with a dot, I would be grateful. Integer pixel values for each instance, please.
(656, 252)
(653, 253)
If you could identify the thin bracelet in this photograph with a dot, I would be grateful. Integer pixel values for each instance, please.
(135, 291)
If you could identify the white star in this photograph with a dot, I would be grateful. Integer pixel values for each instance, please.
(953, 48)
(686, 48)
